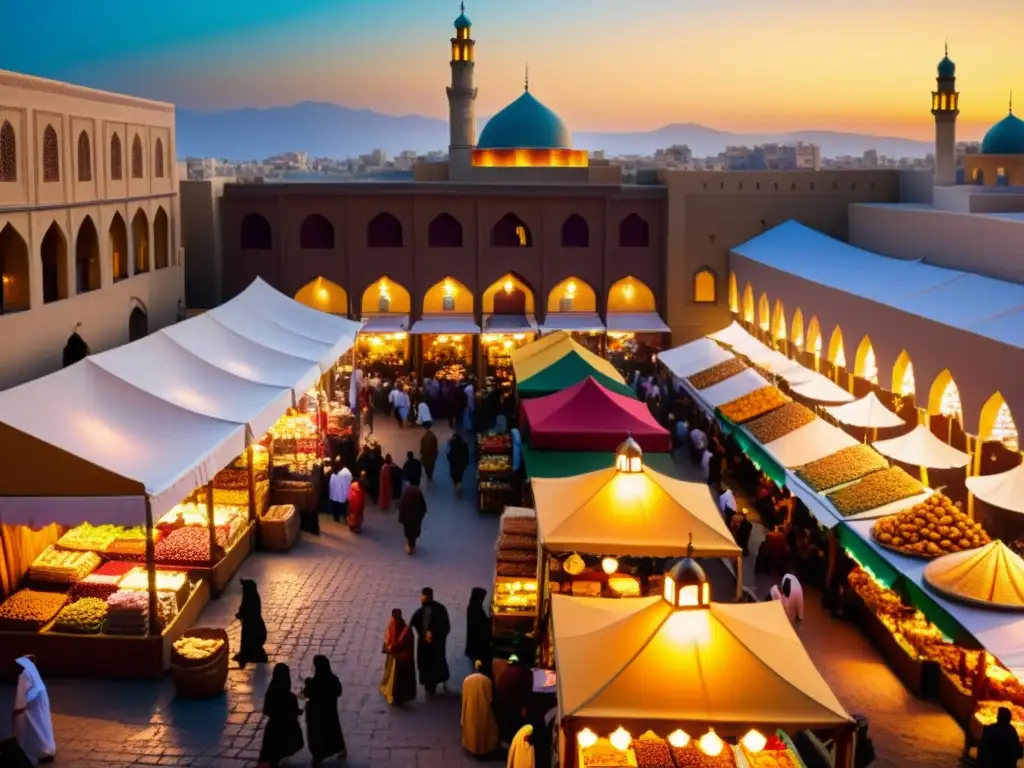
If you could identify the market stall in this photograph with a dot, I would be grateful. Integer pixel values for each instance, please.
(699, 355)
(921, 448)
(676, 679)
(547, 351)
(567, 370)
(496, 483)
(514, 605)
(503, 335)
(1004, 494)
(538, 345)
(447, 342)
(585, 328)
(382, 346)
(867, 413)
(635, 339)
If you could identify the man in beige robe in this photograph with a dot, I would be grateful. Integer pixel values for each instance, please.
(520, 754)
(479, 728)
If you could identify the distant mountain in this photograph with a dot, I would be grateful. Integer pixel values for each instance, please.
(331, 130)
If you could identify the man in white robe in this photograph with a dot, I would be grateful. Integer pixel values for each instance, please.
(791, 595)
(33, 726)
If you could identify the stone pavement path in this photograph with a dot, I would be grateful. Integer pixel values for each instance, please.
(331, 595)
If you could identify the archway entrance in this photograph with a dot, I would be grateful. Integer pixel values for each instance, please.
(13, 272)
(138, 324)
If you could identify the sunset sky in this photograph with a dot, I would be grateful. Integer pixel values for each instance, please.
(743, 65)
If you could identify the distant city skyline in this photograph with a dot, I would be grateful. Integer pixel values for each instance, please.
(602, 65)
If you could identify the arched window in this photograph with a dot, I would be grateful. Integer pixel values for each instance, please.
(116, 158)
(734, 293)
(161, 239)
(138, 324)
(8, 153)
(444, 231)
(575, 232)
(140, 241)
(84, 157)
(118, 237)
(137, 157)
(87, 257)
(158, 159)
(255, 234)
(384, 231)
(634, 232)
(511, 232)
(54, 255)
(14, 269)
(316, 233)
(51, 155)
(705, 286)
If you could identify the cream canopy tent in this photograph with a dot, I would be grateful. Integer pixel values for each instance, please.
(743, 383)
(1005, 490)
(811, 385)
(867, 412)
(730, 666)
(694, 357)
(641, 514)
(808, 443)
(921, 448)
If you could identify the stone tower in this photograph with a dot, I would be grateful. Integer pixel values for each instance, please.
(461, 98)
(945, 108)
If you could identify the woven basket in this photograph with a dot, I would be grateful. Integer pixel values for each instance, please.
(203, 678)
(280, 534)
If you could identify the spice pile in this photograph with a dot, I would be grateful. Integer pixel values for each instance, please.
(843, 466)
(875, 490)
(29, 609)
(754, 404)
(780, 422)
(716, 374)
(86, 616)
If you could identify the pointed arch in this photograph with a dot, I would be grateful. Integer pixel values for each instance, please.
(508, 295)
(836, 349)
(53, 252)
(14, 272)
(865, 363)
(705, 286)
(634, 232)
(448, 295)
(764, 313)
(903, 376)
(137, 160)
(138, 324)
(444, 231)
(116, 158)
(814, 341)
(255, 233)
(796, 331)
(51, 155)
(385, 295)
(140, 241)
(575, 232)
(572, 294)
(87, 257)
(118, 239)
(734, 294)
(8, 153)
(996, 424)
(748, 304)
(316, 233)
(161, 239)
(84, 157)
(384, 231)
(631, 295)
(324, 295)
(944, 397)
(158, 159)
(511, 232)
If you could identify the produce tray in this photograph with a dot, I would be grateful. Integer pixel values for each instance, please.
(960, 705)
(916, 555)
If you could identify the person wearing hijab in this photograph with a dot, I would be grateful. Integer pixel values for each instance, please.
(323, 726)
(791, 595)
(458, 460)
(386, 486)
(513, 691)
(399, 682)
(479, 728)
(428, 453)
(33, 725)
(478, 629)
(282, 735)
(254, 630)
(411, 511)
(432, 628)
(520, 753)
(357, 504)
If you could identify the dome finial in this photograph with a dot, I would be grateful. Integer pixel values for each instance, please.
(945, 47)
(1011, 101)
(527, 79)
(462, 7)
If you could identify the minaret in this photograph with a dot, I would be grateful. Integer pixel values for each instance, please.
(945, 108)
(461, 96)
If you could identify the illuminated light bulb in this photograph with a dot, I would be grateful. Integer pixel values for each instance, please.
(507, 344)
(586, 738)
(678, 738)
(508, 286)
(570, 289)
(710, 744)
(443, 339)
(449, 289)
(628, 290)
(321, 293)
(609, 565)
(620, 739)
(754, 741)
(949, 405)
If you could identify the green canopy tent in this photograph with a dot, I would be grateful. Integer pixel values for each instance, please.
(565, 372)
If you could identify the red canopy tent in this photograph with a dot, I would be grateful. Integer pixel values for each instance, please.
(588, 417)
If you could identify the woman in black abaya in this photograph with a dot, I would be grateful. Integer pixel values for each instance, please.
(254, 631)
(282, 735)
(323, 726)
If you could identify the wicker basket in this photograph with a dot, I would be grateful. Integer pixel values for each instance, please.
(279, 534)
(300, 493)
(202, 678)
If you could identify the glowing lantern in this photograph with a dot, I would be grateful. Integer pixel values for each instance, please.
(629, 456)
(949, 405)
(620, 739)
(508, 286)
(679, 738)
(449, 289)
(754, 741)
(609, 565)
(686, 584)
(1004, 430)
(570, 289)
(907, 386)
(710, 744)
(628, 290)
(586, 738)
(840, 359)
(870, 366)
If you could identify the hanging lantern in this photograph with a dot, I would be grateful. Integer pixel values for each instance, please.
(686, 584)
(574, 565)
(620, 739)
(609, 565)
(754, 741)
(678, 738)
(710, 744)
(586, 738)
(629, 456)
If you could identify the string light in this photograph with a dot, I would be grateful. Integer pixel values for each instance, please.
(710, 744)
(754, 741)
(1004, 430)
(679, 738)
(620, 739)
(949, 404)
(870, 366)
(609, 565)
(907, 385)
(586, 738)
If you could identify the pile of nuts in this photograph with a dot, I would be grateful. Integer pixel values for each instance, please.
(31, 608)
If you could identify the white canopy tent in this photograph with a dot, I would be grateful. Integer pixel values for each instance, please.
(743, 383)
(810, 442)
(578, 322)
(385, 322)
(921, 448)
(812, 385)
(636, 322)
(867, 412)
(1005, 490)
(694, 357)
(267, 333)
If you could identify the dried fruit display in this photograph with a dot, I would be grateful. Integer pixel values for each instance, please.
(492, 442)
(60, 567)
(127, 613)
(232, 479)
(85, 616)
(185, 546)
(841, 467)
(197, 648)
(604, 755)
(780, 422)
(754, 404)
(716, 374)
(90, 538)
(102, 582)
(30, 609)
(770, 758)
(690, 756)
(494, 462)
(652, 753)
(875, 490)
(929, 529)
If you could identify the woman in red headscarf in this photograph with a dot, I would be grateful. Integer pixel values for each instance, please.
(357, 504)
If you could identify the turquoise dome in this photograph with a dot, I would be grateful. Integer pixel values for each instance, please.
(525, 124)
(1005, 137)
(947, 68)
(463, 22)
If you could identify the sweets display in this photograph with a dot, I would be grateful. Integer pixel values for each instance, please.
(130, 542)
(30, 609)
(841, 467)
(716, 374)
(60, 567)
(494, 462)
(775, 755)
(929, 529)
(102, 582)
(90, 538)
(492, 442)
(604, 755)
(780, 422)
(875, 490)
(166, 581)
(127, 613)
(515, 596)
(690, 756)
(512, 541)
(652, 752)
(197, 648)
(754, 404)
(185, 546)
(86, 616)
